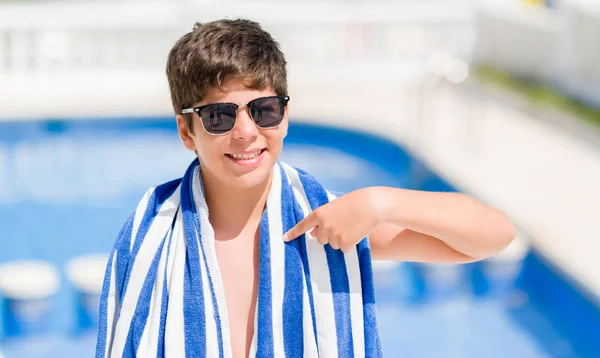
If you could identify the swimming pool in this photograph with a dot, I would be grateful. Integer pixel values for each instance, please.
(66, 186)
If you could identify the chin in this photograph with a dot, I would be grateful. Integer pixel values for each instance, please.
(247, 178)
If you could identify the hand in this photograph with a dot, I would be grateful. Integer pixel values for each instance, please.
(343, 222)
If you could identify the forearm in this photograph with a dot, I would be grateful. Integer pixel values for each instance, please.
(461, 222)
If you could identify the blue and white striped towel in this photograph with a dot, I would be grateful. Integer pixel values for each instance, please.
(163, 295)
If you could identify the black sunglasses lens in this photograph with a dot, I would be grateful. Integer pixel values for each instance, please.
(268, 112)
(218, 118)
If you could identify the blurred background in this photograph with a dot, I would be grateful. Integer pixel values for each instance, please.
(497, 99)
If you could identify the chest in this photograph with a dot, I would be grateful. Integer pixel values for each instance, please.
(238, 260)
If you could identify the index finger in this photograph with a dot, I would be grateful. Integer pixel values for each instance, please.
(303, 226)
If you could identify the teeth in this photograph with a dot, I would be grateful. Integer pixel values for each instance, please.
(246, 156)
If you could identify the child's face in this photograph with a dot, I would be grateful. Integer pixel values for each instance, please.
(216, 152)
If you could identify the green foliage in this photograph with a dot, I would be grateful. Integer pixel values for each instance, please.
(539, 94)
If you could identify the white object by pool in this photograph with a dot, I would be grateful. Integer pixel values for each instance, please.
(28, 280)
(385, 265)
(442, 280)
(86, 274)
(384, 272)
(27, 287)
(505, 267)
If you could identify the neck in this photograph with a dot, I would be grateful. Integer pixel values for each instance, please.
(233, 210)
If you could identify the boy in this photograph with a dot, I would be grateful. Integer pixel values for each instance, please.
(246, 280)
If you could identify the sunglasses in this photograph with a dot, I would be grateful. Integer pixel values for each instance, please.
(219, 118)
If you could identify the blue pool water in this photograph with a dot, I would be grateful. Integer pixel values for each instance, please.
(67, 186)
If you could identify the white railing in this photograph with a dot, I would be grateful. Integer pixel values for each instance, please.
(88, 58)
(73, 36)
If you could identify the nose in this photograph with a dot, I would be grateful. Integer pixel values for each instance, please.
(244, 128)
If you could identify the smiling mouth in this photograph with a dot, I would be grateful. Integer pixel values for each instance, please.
(246, 156)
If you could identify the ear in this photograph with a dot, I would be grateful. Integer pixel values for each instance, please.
(185, 134)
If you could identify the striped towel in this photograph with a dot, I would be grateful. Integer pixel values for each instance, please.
(163, 295)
